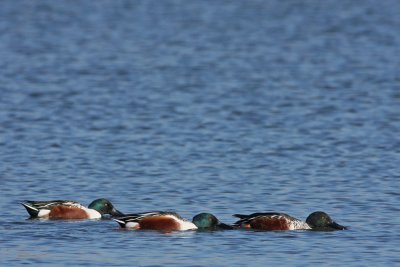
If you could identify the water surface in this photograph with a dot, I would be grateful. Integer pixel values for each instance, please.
(201, 106)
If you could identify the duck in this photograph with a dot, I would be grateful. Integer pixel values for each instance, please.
(274, 221)
(67, 209)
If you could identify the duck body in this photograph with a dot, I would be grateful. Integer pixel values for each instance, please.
(67, 209)
(155, 220)
(270, 221)
(274, 221)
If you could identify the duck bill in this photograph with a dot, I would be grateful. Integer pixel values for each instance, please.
(225, 226)
(116, 213)
(337, 226)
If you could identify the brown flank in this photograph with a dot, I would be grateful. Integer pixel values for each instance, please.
(159, 223)
(271, 224)
(64, 212)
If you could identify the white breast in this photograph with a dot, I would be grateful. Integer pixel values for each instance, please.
(186, 225)
(93, 214)
(299, 225)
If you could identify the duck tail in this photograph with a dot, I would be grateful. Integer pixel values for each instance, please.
(33, 212)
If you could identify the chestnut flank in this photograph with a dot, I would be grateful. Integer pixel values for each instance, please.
(64, 212)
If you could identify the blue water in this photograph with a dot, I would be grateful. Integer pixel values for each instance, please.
(201, 106)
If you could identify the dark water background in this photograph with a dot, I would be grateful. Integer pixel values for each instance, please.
(201, 106)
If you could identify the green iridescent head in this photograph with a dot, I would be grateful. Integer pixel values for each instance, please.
(321, 220)
(103, 206)
(209, 221)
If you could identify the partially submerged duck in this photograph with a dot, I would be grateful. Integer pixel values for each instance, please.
(273, 221)
(66, 209)
(170, 221)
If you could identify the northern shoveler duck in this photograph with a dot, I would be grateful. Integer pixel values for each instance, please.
(155, 220)
(208, 221)
(65, 209)
(272, 221)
